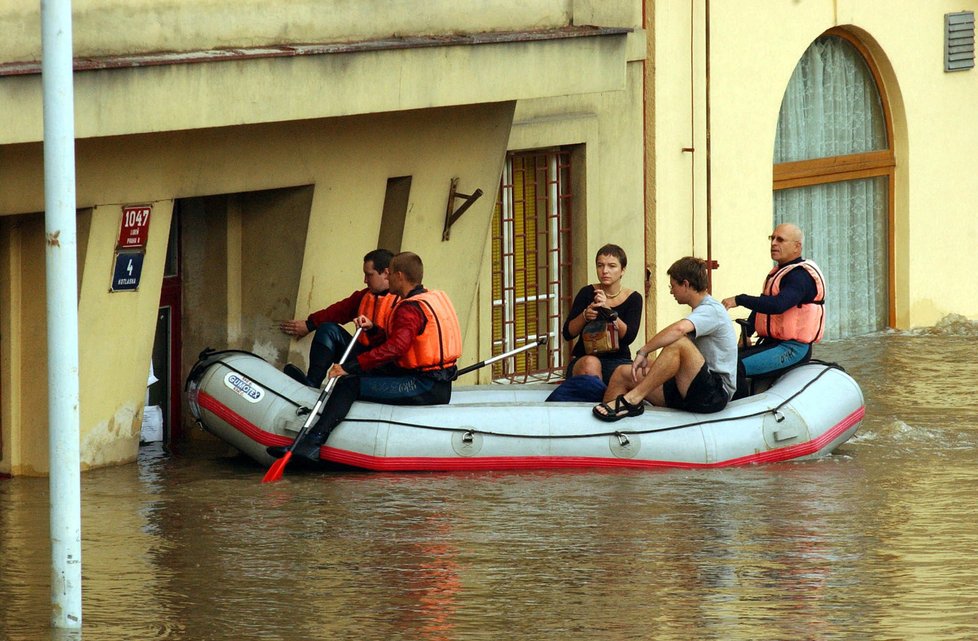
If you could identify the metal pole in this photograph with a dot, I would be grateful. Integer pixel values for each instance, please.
(62, 312)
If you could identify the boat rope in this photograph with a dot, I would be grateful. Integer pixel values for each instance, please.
(776, 410)
(210, 357)
(207, 358)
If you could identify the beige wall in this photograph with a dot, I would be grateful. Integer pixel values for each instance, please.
(608, 165)
(754, 49)
(114, 27)
(116, 337)
(23, 344)
(156, 95)
(280, 215)
(279, 163)
(111, 27)
(305, 145)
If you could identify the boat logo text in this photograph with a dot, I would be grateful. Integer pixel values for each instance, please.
(243, 387)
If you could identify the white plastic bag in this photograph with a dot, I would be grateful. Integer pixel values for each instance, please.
(152, 429)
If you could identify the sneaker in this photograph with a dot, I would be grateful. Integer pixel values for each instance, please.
(296, 374)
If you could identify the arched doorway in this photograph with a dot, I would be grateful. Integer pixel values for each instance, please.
(833, 176)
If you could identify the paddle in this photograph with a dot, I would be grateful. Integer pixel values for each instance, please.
(274, 473)
(471, 368)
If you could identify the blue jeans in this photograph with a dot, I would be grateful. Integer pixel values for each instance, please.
(771, 357)
(404, 389)
(328, 345)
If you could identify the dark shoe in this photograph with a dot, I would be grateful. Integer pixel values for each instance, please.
(276, 451)
(296, 374)
(621, 409)
(308, 448)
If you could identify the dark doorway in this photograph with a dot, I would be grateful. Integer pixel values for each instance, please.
(167, 345)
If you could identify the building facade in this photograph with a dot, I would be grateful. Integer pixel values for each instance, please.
(259, 169)
(836, 114)
(258, 149)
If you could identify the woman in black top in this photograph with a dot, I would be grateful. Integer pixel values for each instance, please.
(610, 294)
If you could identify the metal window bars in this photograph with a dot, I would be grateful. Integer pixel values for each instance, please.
(531, 263)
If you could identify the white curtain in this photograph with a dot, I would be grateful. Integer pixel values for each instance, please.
(832, 108)
(845, 233)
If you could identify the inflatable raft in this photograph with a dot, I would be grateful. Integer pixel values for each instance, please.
(806, 413)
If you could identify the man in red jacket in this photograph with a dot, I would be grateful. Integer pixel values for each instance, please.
(414, 366)
(370, 308)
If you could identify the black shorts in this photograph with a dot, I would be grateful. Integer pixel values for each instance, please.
(705, 395)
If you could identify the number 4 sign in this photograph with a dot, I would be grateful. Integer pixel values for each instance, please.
(127, 271)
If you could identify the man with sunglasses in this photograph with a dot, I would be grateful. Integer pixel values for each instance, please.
(788, 316)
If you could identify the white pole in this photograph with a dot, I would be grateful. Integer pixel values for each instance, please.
(62, 312)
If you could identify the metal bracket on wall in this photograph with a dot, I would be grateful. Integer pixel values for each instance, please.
(452, 216)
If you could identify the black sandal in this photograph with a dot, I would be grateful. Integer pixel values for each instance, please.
(622, 409)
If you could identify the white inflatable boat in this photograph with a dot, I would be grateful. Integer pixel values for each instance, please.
(250, 404)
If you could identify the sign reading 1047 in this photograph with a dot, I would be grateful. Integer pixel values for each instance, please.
(135, 227)
(130, 248)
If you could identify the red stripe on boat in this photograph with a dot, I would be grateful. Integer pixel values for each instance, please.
(448, 464)
(238, 422)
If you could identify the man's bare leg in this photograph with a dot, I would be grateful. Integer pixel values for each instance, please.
(621, 381)
(681, 361)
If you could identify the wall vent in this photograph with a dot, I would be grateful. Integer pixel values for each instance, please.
(959, 41)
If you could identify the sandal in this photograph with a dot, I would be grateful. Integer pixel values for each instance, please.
(622, 409)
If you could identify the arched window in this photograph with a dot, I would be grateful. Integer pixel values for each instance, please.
(833, 177)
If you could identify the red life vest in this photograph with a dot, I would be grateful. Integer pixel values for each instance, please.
(378, 308)
(439, 345)
(804, 323)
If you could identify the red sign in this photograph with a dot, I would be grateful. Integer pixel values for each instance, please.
(135, 227)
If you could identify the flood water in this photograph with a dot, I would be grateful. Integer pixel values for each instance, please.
(878, 541)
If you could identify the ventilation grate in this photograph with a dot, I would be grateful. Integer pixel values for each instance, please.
(959, 41)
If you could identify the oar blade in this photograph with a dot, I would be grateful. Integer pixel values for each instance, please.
(274, 473)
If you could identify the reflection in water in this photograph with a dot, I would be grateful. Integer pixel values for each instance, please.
(875, 542)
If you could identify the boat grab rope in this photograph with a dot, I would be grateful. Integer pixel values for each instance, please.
(619, 433)
(210, 357)
(207, 358)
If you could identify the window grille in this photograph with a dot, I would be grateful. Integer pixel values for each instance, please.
(531, 274)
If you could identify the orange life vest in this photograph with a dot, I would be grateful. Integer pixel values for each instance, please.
(804, 323)
(379, 309)
(439, 345)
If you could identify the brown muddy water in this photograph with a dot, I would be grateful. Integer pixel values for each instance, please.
(878, 541)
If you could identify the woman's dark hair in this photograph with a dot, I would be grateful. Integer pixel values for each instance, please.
(615, 251)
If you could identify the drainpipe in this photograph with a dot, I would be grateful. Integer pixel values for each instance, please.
(710, 263)
(62, 313)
